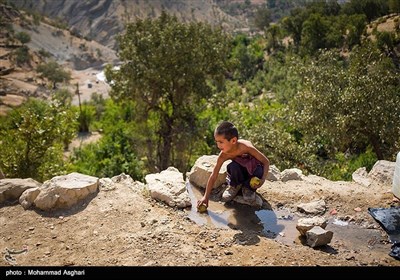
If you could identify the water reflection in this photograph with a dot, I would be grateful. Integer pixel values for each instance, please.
(274, 224)
(215, 215)
(280, 224)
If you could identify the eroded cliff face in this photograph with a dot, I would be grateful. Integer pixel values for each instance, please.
(101, 20)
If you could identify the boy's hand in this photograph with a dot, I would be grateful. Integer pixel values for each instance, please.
(203, 200)
(256, 182)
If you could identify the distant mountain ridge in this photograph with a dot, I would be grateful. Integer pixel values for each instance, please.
(101, 20)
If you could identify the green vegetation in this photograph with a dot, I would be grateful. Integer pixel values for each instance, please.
(168, 69)
(22, 55)
(351, 106)
(314, 91)
(116, 151)
(23, 37)
(32, 140)
(54, 73)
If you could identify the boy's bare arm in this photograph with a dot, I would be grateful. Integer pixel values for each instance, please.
(211, 180)
(262, 158)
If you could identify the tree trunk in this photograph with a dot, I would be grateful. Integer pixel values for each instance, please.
(376, 147)
(166, 139)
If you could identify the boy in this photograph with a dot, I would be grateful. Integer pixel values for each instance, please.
(247, 162)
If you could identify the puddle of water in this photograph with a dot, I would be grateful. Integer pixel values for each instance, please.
(357, 238)
(215, 215)
(281, 224)
(340, 222)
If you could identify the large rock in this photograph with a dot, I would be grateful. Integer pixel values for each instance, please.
(274, 174)
(382, 172)
(202, 169)
(65, 191)
(11, 189)
(291, 174)
(305, 224)
(318, 236)
(360, 176)
(169, 186)
(313, 207)
(28, 197)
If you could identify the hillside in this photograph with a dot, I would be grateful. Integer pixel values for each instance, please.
(82, 58)
(101, 20)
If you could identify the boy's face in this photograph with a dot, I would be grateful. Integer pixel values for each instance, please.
(223, 144)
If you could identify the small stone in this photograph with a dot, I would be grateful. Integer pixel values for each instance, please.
(333, 212)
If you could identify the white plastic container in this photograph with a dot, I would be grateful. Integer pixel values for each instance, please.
(396, 177)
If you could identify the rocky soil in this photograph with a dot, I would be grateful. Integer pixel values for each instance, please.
(123, 226)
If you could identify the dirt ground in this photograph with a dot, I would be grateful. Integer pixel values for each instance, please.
(125, 227)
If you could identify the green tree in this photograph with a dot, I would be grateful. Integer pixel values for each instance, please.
(370, 8)
(371, 102)
(63, 97)
(394, 6)
(167, 70)
(32, 139)
(22, 55)
(313, 33)
(247, 57)
(273, 35)
(351, 107)
(112, 155)
(355, 27)
(262, 18)
(54, 73)
(293, 24)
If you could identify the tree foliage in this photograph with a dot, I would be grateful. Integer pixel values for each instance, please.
(262, 18)
(116, 152)
(246, 59)
(372, 9)
(352, 106)
(32, 140)
(167, 66)
(54, 73)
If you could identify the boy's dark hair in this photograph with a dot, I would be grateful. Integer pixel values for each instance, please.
(227, 129)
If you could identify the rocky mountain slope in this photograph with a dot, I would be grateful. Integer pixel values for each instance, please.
(101, 20)
(82, 58)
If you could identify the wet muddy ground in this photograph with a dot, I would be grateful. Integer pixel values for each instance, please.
(280, 225)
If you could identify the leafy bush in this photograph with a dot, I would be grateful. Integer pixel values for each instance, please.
(22, 55)
(23, 37)
(112, 155)
(33, 137)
